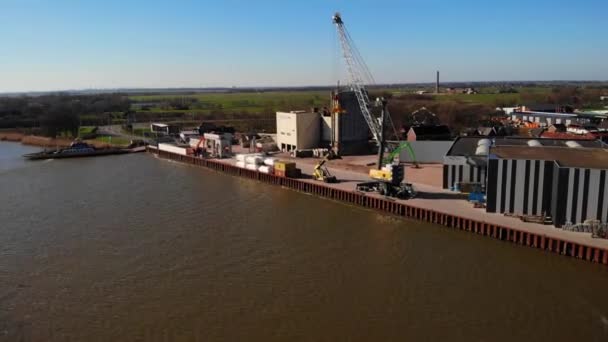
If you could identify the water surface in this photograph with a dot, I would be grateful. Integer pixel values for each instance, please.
(134, 248)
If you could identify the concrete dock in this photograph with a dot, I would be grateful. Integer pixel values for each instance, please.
(433, 205)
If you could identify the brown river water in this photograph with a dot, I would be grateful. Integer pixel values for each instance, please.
(135, 248)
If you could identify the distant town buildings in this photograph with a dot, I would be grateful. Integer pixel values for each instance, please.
(163, 129)
(468, 91)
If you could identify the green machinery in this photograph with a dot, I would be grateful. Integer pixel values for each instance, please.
(402, 145)
(388, 176)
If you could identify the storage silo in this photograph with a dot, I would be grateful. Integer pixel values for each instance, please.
(351, 132)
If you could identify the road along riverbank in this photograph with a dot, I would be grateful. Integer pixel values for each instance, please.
(532, 235)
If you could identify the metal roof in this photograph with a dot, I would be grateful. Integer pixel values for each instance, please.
(466, 146)
(589, 158)
(569, 115)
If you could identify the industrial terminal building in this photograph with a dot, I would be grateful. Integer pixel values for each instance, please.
(298, 130)
(566, 183)
(347, 130)
(563, 179)
(465, 162)
(467, 159)
(344, 131)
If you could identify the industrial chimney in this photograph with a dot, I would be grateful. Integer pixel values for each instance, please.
(437, 84)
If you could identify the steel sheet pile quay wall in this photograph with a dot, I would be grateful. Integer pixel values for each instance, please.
(503, 233)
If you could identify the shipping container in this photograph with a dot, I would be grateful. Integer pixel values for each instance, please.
(284, 165)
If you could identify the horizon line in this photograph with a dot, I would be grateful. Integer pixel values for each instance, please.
(264, 87)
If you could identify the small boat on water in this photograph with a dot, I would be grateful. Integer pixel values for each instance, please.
(79, 149)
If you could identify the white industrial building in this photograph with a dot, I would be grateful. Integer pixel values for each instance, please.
(298, 130)
(343, 129)
(216, 145)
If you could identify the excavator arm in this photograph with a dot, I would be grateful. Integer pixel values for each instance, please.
(321, 173)
(403, 145)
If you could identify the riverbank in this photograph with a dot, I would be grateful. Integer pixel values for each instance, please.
(35, 140)
(433, 206)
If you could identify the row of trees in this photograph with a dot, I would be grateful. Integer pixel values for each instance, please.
(576, 96)
(460, 114)
(60, 113)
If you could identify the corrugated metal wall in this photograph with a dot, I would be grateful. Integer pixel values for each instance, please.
(521, 187)
(582, 195)
(538, 187)
(458, 169)
(462, 173)
(353, 126)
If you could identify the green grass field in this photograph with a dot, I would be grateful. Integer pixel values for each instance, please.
(84, 130)
(119, 141)
(247, 102)
(489, 99)
(255, 111)
(263, 102)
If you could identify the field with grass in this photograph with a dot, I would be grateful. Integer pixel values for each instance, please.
(256, 110)
(509, 99)
(113, 140)
(246, 102)
(271, 101)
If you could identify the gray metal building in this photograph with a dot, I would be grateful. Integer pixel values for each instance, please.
(548, 119)
(566, 183)
(347, 132)
(467, 160)
(464, 162)
(425, 151)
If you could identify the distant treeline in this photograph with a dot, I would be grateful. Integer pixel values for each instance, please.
(61, 113)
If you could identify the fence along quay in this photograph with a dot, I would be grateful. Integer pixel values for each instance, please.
(509, 234)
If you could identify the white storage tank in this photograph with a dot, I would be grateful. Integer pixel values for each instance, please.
(484, 142)
(534, 143)
(482, 150)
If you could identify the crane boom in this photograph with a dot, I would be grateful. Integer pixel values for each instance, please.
(358, 74)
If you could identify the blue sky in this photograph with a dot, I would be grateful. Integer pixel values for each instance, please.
(71, 44)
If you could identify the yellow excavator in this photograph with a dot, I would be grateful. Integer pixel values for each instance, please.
(388, 176)
(321, 173)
